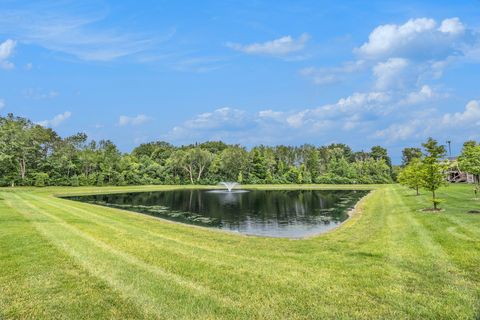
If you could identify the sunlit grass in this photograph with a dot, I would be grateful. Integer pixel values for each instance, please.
(65, 259)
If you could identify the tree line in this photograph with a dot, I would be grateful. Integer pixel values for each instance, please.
(32, 155)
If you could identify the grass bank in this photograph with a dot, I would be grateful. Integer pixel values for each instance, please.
(65, 259)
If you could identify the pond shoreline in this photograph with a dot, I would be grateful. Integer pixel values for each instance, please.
(275, 231)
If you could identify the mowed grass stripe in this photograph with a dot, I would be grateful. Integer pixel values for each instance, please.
(247, 278)
(145, 228)
(35, 276)
(117, 268)
(178, 262)
(158, 241)
(425, 257)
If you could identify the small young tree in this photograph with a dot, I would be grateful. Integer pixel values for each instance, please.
(411, 175)
(432, 172)
(469, 161)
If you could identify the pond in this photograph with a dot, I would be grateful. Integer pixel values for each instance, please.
(272, 213)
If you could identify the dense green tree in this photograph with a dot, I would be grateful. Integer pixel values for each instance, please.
(214, 147)
(380, 153)
(193, 161)
(231, 162)
(158, 151)
(409, 154)
(372, 171)
(258, 166)
(24, 146)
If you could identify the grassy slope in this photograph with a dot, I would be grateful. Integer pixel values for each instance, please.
(63, 259)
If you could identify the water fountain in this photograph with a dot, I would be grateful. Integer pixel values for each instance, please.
(229, 185)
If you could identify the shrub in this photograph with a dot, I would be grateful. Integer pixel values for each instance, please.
(41, 179)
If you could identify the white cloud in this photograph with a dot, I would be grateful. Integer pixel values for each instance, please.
(416, 37)
(470, 116)
(428, 123)
(453, 26)
(390, 73)
(2, 103)
(406, 54)
(426, 93)
(281, 126)
(278, 47)
(353, 118)
(57, 120)
(351, 109)
(6, 51)
(134, 121)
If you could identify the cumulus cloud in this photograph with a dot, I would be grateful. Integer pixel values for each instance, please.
(390, 73)
(278, 47)
(6, 51)
(426, 93)
(272, 126)
(415, 38)
(452, 26)
(134, 121)
(421, 125)
(470, 116)
(403, 55)
(354, 106)
(56, 121)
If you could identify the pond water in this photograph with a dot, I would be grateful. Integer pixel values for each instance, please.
(273, 213)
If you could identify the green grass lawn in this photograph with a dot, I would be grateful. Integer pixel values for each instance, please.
(65, 259)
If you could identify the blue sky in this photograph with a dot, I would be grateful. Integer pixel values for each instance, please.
(249, 72)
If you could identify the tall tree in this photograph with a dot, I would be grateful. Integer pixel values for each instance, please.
(193, 161)
(408, 154)
(378, 153)
(23, 146)
(232, 162)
